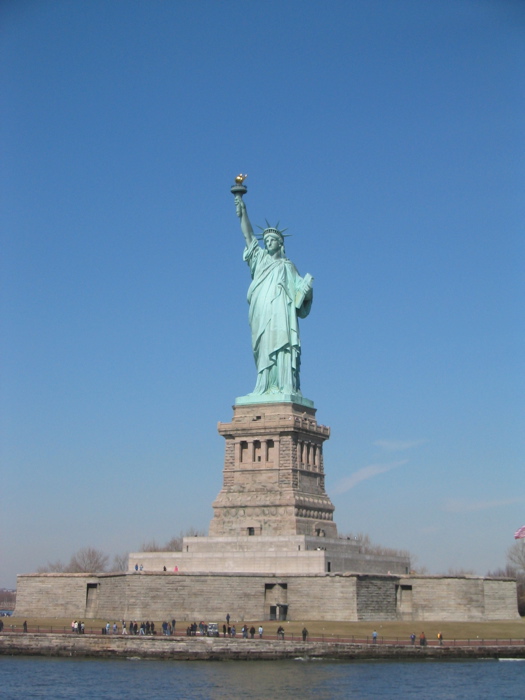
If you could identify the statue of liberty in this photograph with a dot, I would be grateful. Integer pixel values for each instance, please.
(277, 296)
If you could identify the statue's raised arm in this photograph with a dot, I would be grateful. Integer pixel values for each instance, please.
(242, 213)
(278, 296)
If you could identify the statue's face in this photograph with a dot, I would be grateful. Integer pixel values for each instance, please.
(273, 246)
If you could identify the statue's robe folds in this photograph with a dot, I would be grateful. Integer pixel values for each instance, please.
(273, 315)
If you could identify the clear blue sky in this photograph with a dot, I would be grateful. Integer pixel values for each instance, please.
(388, 136)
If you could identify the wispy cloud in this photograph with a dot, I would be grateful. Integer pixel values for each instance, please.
(398, 445)
(458, 505)
(365, 473)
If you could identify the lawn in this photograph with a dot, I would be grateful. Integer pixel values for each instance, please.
(501, 629)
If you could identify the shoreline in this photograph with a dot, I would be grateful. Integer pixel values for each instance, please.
(222, 649)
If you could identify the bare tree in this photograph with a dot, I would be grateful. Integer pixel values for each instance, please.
(120, 562)
(516, 555)
(366, 546)
(150, 546)
(7, 599)
(516, 561)
(88, 560)
(508, 571)
(174, 544)
(459, 571)
(52, 567)
(415, 568)
(420, 570)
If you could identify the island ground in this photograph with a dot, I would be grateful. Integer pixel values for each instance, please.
(502, 630)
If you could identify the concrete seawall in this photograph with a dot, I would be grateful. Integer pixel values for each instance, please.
(192, 648)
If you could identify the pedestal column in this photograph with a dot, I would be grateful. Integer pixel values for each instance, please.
(273, 474)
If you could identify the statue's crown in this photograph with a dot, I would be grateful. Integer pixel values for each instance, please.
(272, 231)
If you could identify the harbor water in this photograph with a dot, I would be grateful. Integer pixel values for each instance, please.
(132, 678)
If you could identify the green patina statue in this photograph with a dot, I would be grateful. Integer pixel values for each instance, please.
(277, 296)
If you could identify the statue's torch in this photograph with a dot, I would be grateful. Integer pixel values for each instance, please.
(238, 189)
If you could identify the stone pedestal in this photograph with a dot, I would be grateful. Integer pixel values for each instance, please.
(273, 474)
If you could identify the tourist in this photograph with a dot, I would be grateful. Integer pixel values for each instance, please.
(280, 631)
(260, 631)
(440, 638)
(422, 639)
(305, 634)
(413, 639)
(374, 637)
(252, 631)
